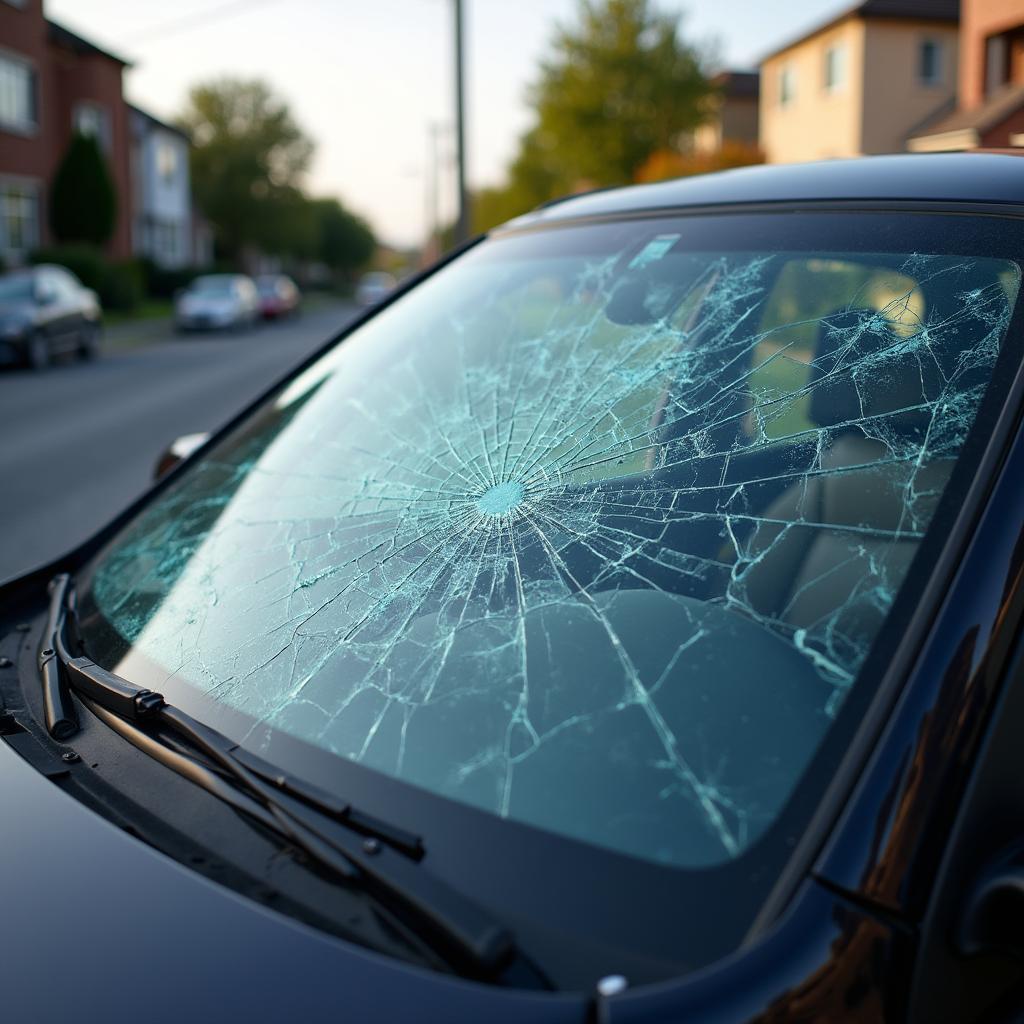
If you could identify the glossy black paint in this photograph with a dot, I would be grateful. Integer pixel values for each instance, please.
(826, 961)
(62, 316)
(941, 177)
(96, 926)
(888, 842)
(116, 921)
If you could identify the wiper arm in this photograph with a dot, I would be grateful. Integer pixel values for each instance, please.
(381, 858)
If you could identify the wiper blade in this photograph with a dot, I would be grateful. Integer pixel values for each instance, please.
(382, 859)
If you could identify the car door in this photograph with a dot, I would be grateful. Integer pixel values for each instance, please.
(62, 310)
(48, 305)
(971, 961)
(71, 306)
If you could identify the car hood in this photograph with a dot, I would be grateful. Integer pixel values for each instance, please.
(80, 893)
(22, 311)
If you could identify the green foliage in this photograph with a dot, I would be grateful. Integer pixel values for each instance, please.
(124, 286)
(345, 242)
(119, 285)
(248, 159)
(163, 282)
(83, 202)
(616, 89)
(86, 262)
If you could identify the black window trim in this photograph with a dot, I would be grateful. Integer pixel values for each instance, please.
(904, 656)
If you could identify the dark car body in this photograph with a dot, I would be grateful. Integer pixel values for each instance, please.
(278, 296)
(45, 311)
(896, 900)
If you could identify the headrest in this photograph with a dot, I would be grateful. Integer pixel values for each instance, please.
(863, 369)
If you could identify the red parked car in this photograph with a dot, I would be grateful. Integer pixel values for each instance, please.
(278, 296)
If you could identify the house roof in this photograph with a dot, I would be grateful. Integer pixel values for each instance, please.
(155, 122)
(62, 36)
(1006, 100)
(738, 84)
(913, 10)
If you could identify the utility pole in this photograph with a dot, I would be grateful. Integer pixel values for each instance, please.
(432, 247)
(462, 221)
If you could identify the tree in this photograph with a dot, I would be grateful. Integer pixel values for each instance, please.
(248, 159)
(345, 242)
(616, 89)
(83, 202)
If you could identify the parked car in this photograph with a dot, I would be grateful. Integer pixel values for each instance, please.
(623, 625)
(44, 311)
(278, 296)
(374, 287)
(217, 301)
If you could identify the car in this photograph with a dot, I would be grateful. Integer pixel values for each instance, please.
(278, 296)
(621, 624)
(44, 311)
(374, 287)
(217, 301)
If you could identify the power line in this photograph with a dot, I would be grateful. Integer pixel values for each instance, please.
(194, 21)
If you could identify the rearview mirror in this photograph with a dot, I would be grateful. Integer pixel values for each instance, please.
(177, 451)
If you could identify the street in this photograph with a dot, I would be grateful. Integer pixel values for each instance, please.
(79, 441)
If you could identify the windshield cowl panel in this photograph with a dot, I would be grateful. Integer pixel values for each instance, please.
(593, 531)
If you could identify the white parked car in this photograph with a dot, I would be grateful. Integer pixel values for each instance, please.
(217, 301)
(373, 287)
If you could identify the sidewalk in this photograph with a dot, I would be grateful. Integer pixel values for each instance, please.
(132, 333)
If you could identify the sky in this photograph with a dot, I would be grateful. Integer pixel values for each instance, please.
(368, 81)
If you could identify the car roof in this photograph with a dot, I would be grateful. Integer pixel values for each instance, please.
(932, 177)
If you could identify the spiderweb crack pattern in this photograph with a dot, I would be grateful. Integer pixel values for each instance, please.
(609, 576)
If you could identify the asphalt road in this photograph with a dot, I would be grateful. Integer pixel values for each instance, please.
(78, 442)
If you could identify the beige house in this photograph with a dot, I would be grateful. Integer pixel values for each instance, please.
(861, 83)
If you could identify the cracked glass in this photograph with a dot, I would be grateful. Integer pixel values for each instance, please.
(593, 530)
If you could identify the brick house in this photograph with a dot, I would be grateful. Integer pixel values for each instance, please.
(53, 83)
(990, 90)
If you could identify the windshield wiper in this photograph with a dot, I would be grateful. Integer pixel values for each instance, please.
(380, 858)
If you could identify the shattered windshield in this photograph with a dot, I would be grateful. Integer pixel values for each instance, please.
(593, 530)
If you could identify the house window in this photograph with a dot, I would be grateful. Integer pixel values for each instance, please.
(93, 120)
(19, 220)
(997, 63)
(166, 160)
(17, 94)
(929, 66)
(835, 68)
(787, 86)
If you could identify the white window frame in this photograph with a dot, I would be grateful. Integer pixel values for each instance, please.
(787, 86)
(167, 170)
(15, 63)
(93, 119)
(29, 198)
(834, 63)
